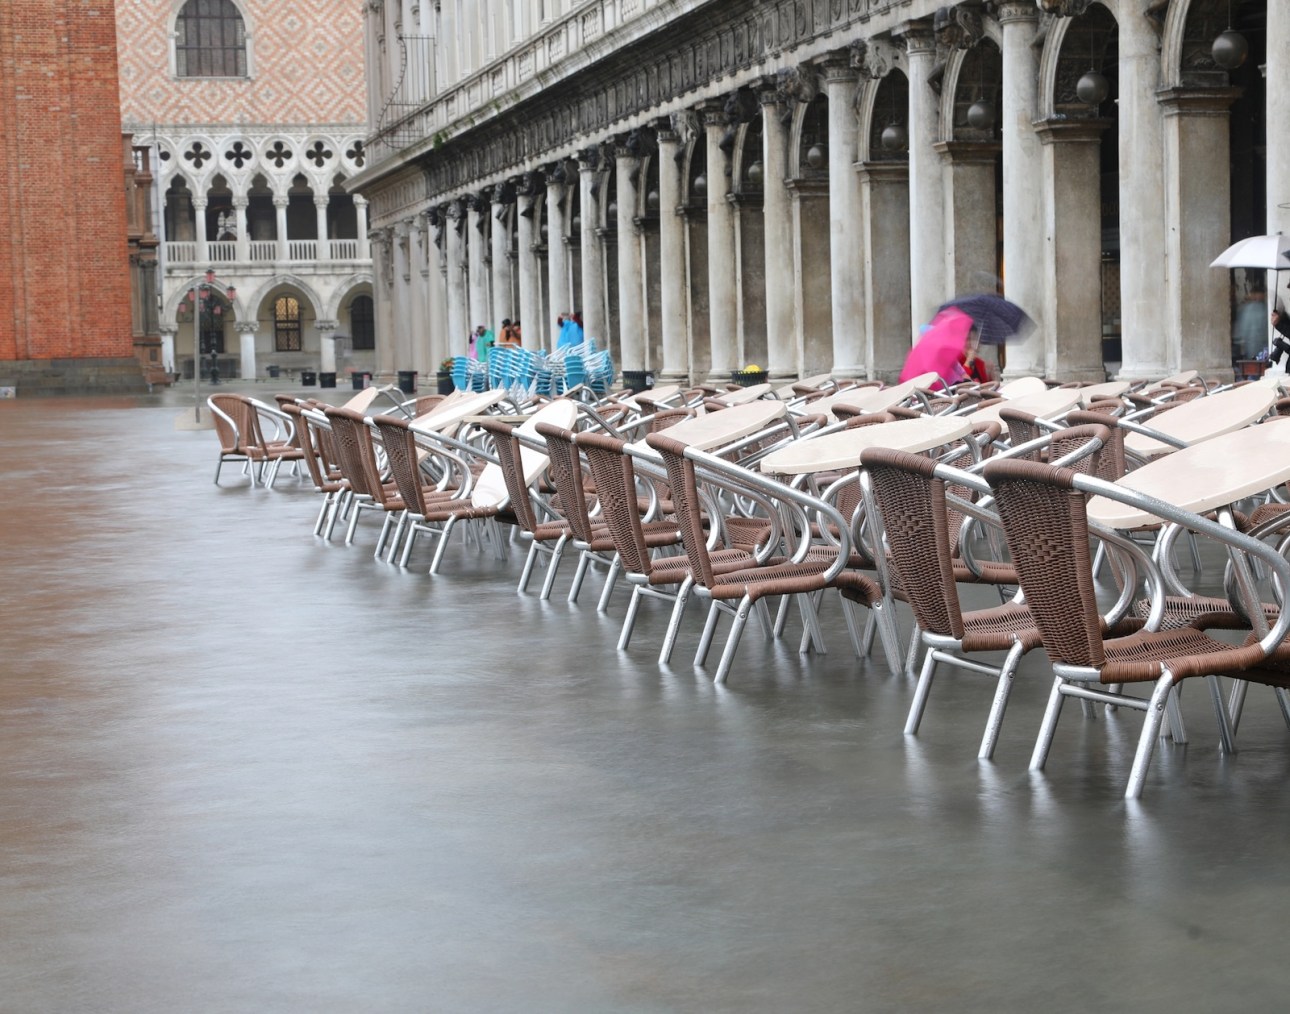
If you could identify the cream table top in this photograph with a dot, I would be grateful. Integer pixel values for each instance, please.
(449, 413)
(1207, 475)
(842, 450)
(1204, 418)
(1046, 404)
(745, 395)
(715, 429)
(1022, 387)
(655, 395)
(872, 399)
(1111, 389)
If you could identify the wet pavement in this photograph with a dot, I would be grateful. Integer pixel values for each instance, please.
(244, 770)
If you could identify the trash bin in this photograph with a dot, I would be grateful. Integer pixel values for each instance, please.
(274, 371)
(361, 379)
(445, 383)
(408, 381)
(326, 380)
(308, 378)
(638, 380)
(749, 378)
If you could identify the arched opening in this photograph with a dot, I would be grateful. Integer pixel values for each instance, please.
(221, 222)
(302, 220)
(205, 315)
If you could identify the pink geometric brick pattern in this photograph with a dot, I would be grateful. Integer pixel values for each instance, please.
(306, 64)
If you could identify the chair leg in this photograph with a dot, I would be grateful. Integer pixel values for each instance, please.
(849, 617)
(397, 538)
(1150, 730)
(218, 465)
(579, 575)
(408, 543)
(911, 654)
(557, 554)
(1048, 727)
(781, 617)
(385, 534)
(629, 621)
(443, 544)
(811, 625)
(1007, 675)
(322, 514)
(1226, 737)
(528, 567)
(674, 621)
(709, 628)
(919, 703)
(611, 579)
(354, 511)
(732, 641)
(886, 624)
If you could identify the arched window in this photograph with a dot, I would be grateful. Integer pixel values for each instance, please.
(210, 40)
(362, 323)
(286, 324)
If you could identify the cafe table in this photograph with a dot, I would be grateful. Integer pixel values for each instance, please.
(716, 429)
(654, 395)
(1205, 476)
(1050, 403)
(744, 395)
(1204, 418)
(447, 414)
(872, 399)
(1022, 387)
(1096, 392)
(832, 451)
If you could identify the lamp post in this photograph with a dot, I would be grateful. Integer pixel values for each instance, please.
(208, 313)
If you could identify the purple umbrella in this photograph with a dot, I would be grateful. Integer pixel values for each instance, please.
(998, 320)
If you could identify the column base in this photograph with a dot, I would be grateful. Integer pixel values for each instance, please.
(1080, 375)
(849, 373)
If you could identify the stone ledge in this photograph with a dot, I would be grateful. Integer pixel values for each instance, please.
(39, 377)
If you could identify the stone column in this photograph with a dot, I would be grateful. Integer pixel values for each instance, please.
(437, 288)
(320, 213)
(459, 325)
(1072, 235)
(557, 256)
(593, 273)
(418, 297)
(199, 216)
(402, 303)
(631, 270)
(673, 282)
(1197, 203)
(777, 214)
(502, 217)
(723, 339)
(1024, 252)
(532, 328)
(383, 271)
(326, 344)
(1278, 115)
(846, 213)
(927, 285)
(280, 209)
(360, 209)
(970, 225)
(1142, 184)
(240, 202)
(886, 266)
(246, 331)
(477, 271)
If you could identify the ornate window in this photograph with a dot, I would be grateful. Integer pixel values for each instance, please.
(210, 40)
(286, 324)
(362, 323)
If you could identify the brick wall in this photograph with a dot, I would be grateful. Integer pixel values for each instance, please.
(64, 273)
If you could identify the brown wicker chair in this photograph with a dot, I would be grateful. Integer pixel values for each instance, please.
(238, 425)
(326, 479)
(1046, 525)
(358, 463)
(806, 571)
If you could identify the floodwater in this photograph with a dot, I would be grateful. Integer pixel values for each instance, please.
(242, 769)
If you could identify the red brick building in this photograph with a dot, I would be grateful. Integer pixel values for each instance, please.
(65, 293)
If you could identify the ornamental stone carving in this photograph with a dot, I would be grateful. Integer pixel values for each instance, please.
(875, 58)
(798, 84)
(957, 27)
(1064, 8)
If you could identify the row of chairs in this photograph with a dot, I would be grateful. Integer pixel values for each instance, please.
(681, 523)
(538, 373)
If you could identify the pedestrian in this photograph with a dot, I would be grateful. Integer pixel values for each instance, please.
(1250, 330)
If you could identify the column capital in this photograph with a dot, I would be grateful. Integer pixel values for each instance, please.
(1064, 8)
(241, 201)
(360, 201)
(711, 113)
(281, 202)
(883, 172)
(326, 326)
(838, 66)
(968, 152)
(246, 326)
(918, 37)
(1082, 131)
(200, 201)
(1183, 101)
(322, 200)
(1008, 12)
(167, 328)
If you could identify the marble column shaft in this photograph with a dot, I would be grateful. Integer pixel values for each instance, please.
(479, 310)
(280, 210)
(1278, 115)
(777, 215)
(846, 236)
(437, 296)
(926, 205)
(323, 253)
(199, 214)
(631, 270)
(240, 203)
(459, 324)
(1023, 194)
(364, 245)
(886, 266)
(674, 283)
(559, 300)
(721, 250)
(593, 271)
(531, 330)
(503, 309)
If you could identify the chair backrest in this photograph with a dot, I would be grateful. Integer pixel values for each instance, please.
(236, 423)
(666, 417)
(685, 504)
(917, 525)
(357, 457)
(1046, 528)
(507, 447)
(401, 458)
(304, 437)
(1111, 462)
(566, 476)
(1022, 428)
(615, 477)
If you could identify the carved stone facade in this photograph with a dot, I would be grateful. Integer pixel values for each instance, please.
(780, 152)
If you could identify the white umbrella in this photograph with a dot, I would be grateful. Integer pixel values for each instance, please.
(1271, 253)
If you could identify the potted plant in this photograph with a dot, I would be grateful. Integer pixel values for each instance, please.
(444, 377)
